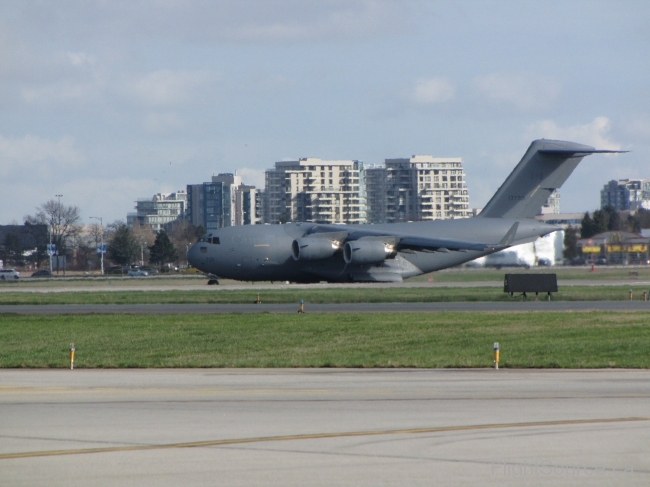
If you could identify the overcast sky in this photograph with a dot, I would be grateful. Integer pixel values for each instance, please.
(110, 101)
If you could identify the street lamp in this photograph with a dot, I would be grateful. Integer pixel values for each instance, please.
(58, 223)
(101, 249)
(141, 251)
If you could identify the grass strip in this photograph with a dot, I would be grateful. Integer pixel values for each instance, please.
(444, 339)
(333, 295)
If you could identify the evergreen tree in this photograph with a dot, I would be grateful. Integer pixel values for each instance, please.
(587, 226)
(601, 221)
(615, 223)
(641, 219)
(122, 247)
(570, 243)
(163, 250)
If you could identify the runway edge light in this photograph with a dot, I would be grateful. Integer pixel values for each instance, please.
(496, 355)
(71, 356)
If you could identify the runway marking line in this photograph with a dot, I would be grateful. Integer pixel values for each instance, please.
(311, 436)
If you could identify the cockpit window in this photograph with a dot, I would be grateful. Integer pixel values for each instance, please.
(210, 240)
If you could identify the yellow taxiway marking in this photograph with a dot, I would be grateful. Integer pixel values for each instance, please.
(261, 245)
(312, 436)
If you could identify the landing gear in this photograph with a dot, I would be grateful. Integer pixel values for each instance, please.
(213, 282)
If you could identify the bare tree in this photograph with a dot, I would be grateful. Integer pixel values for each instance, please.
(145, 236)
(182, 234)
(63, 222)
(95, 233)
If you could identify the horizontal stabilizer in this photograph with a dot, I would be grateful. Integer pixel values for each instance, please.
(576, 151)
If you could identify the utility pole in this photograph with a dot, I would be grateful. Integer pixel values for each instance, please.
(58, 224)
(101, 248)
(49, 247)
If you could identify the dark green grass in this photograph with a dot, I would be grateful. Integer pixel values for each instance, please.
(332, 295)
(444, 339)
(601, 273)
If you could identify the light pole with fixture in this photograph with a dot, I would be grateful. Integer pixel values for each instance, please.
(141, 251)
(58, 225)
(101, 248)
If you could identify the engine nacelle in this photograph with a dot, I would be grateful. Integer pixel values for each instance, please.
(365, 252)
(313, 248)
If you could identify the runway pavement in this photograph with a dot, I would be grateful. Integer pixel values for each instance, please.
(58, 309)
(194, 284)
(324, 427)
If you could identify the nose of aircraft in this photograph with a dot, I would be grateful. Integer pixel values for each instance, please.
(193, 256)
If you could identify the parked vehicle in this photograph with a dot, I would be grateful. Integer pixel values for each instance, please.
(137, 273)
(42, 273)
(578, 261)
(6, 274)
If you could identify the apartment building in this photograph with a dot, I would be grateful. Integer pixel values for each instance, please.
(376, 194)
(316, 190)
(212, 204)
(424, 188)
(249, 209)
(552, 205)
(157, 211)
(626, 194)
(224, 202)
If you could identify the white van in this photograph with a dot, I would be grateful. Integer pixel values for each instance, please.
(9, 274)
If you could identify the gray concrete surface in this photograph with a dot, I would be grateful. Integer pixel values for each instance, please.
(55, 309)
(200, 284)
(324, 427)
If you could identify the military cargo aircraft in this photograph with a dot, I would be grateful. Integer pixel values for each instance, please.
(314, 252)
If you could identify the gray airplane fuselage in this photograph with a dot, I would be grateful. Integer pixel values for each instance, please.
(264, 252)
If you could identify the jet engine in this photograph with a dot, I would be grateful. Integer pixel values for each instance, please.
(365, 252)
(313, 248)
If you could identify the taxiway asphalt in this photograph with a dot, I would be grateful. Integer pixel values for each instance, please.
(323, 427)
(146, 284)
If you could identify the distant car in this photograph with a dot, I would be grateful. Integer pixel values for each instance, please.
(137, 272)
(544, 263)
(6, 274)
(578, 261)
(601, 261)
(42, 273)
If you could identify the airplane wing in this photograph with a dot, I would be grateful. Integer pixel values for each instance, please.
(413, 242)
(444, 244)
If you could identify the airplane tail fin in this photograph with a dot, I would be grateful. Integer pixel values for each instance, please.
(543, 169)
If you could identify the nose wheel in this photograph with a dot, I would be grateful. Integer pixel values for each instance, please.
(213, 282)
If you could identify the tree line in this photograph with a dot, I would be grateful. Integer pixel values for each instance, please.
(606, 219)
(124, 244)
